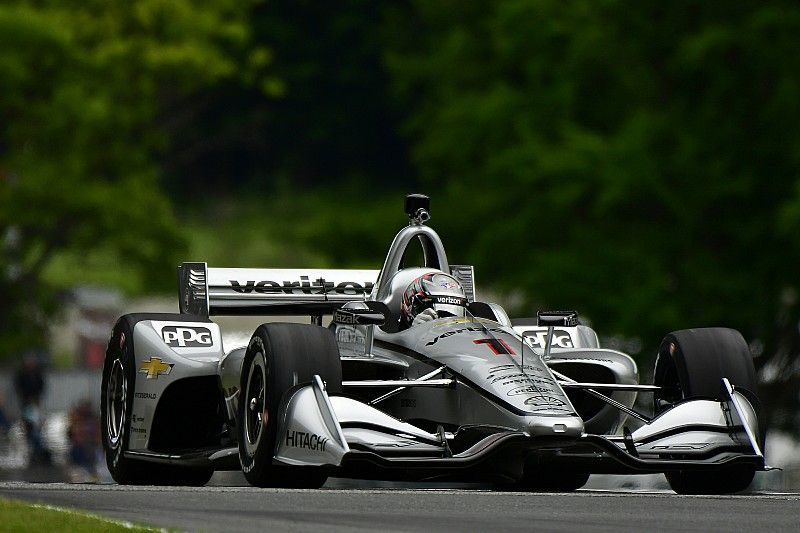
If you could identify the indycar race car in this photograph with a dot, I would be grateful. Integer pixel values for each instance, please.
(466, 395)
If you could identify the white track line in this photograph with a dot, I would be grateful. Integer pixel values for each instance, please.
(84, 514)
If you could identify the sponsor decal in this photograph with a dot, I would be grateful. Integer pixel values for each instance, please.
(570, 358)
(524, 378)
(538, 339)
(446, 284)
(140, 431)
(529, 379)
(511, 367)
(498, 346)
(136, 419)
(155, 367)
(546, 403)
(344, 318)
(461, 330)
(309, 441)
(351, 341)
(450, 300)
(187, 337)
(527, 389)
(350, 336)
(145, 395)
(304, 286)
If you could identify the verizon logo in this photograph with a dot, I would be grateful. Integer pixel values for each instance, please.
(304, 286)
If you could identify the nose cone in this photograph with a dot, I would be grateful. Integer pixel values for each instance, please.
(555, 426)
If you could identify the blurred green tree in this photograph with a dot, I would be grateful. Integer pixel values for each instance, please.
(323, 116)
(638, 160)
(87, 89)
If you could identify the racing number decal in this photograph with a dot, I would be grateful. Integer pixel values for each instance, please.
(498, 346)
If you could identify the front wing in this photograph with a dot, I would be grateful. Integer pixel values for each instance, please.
(356, 440)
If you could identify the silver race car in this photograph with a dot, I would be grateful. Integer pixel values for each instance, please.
(413, 379)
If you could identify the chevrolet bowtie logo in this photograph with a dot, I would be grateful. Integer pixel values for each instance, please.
(155, 367)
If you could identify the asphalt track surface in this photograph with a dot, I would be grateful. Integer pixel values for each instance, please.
(233, 509)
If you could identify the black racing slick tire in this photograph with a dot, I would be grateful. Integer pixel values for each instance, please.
(690, 365)
(116, 404)
(279, 357)
(724, 481)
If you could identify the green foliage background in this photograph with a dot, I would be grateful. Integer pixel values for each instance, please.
(637, 161)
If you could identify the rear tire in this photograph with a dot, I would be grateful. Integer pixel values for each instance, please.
(690, 365)
(116, 404)
(279, 357)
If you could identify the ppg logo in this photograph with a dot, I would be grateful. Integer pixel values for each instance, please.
(538, 339)
(184, 337)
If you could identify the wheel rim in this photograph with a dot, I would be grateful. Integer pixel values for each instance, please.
(116, 394)
(256, 413)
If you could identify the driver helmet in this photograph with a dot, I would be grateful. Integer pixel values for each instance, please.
(437, 291)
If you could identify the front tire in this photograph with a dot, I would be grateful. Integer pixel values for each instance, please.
(724, 481)
(116, 405)
(117, 402)
(279, 357)
(690, 365)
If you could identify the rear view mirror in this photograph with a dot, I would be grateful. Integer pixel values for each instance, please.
(360, 314)
(567, 319)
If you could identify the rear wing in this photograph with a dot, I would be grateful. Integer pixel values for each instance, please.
(204, 291)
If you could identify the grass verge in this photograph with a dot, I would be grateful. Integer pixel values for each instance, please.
(22, 517)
